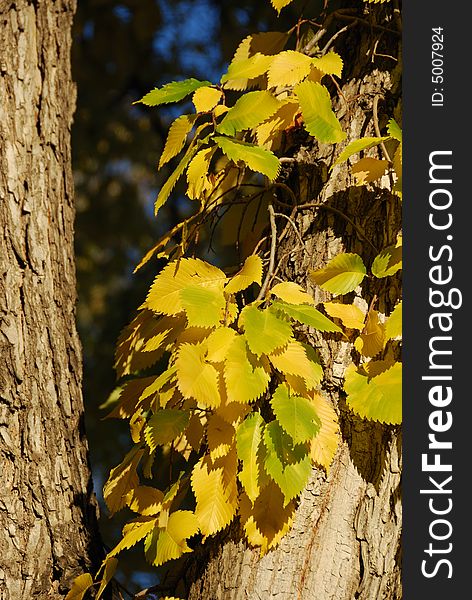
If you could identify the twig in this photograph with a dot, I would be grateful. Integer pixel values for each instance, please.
(291, 221)
(333, 37)
(273, 245)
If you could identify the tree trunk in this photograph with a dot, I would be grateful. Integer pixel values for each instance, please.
(47, 510)
(345, 542)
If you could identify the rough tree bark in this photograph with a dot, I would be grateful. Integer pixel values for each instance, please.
(346, 541)
(47, 512)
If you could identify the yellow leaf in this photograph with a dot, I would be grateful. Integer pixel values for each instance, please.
(206, 98)
(368, 169)
(176, 137)
(132, 534)
(330, 63)
(228, 465)
(293, 360)
(197, 378)
(171, 542)
(203, 306)
(218, 344)
(122, 480)
(250, 273)
(269, 134)
(136, 425)
(80, 585)
(145, 500)
(372, 339)
(164, 295)
(233, 412)
(110, 565)
(393, 326)
(198, 174)
(289, 68)
(213, 510)
(350, 315)
(279, 4)
(291, 292)
(245, 375)
(220, 436)
(323, 447)
(194, 432)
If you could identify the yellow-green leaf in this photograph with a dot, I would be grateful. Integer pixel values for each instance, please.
(394, 130)
(292, 293)
(350, 315)
(359, 146)
(145, 500)
(80, 585)
(249, 111)
(393, 326)
(292, 359)
(320, 120)
(245, 376)
(249, 68)
(257, 159)
(204, 306)
(330, 64)
(198, 173)
(250, 273)
(164, 295)
(206, 98)
(378, 398)
(308, 315)
(165, 426)
(170, 542)
(296, 415)
(169, 185)
(265, 331)
(341, 275)
(172, 92)
(197, 378)
(133, 533)
(177, 137)
(289, 68)
(249, 436)
(388, 262)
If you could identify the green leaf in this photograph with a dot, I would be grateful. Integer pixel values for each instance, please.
(265, 332)
(172, 92)
(320, 120)
(165, 426)
(177, 137)
(287, 464)
(249, 111)
(388, 262)
(308, 315)
(250, 68)
(257, 159)
(358, 146)
(341, 275)
(393, 325)
(296, 415)
(248, 438)
(377, 398)
(203, 306)
(394, 130)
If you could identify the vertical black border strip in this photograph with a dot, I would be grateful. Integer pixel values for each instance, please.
(436, 124)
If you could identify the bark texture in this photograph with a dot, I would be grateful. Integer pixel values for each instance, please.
(47, 510)
(346, 540)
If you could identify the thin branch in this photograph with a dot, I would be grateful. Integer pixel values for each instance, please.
(292, 222)
(377, 128)
(273, 246)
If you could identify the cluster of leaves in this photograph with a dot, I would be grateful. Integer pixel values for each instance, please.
(222, 392)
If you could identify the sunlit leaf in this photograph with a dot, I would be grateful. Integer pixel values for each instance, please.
(331, 64)
(323, 447)
(122, 480)
(196, 377)
(177, 137)
(172, 92)
(358, 146)
(170, 542)
(320, 120)
(289, 68)
(394, 130)
(249, 68)
(393, 326)
(265, 332)
(350, 315)
(218, 344)
(378, 398)
(249, 436)
(295, 414)
(341, 275)
(292, 359)
(250, 273)
(206, 98)
(257, 159)
(308, 315)
(388, 262)
(245, 376)
(80, 585)
(204, 306)
(292, 293)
